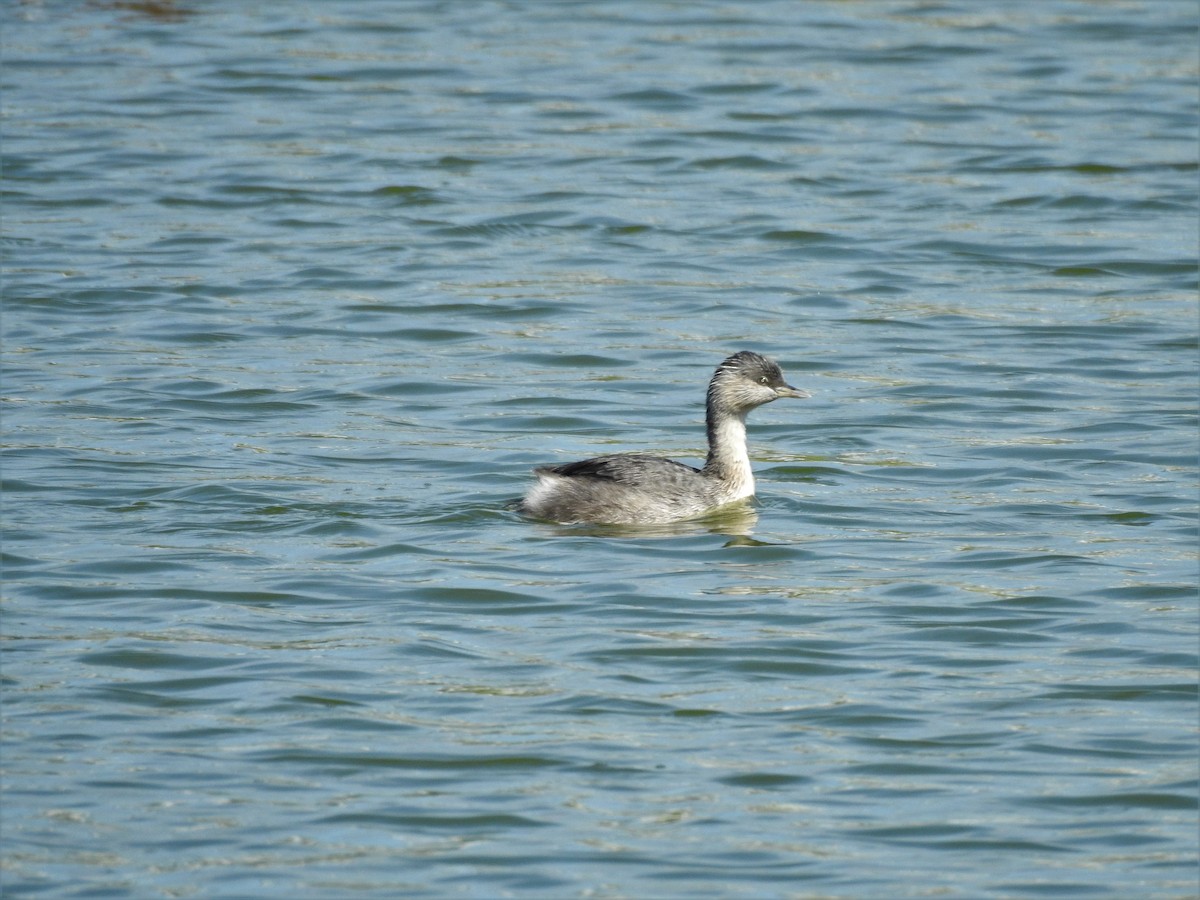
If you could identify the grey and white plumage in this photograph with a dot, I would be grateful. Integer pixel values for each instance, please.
(637, 489)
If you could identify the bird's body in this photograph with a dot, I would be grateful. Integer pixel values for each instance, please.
(637, 489)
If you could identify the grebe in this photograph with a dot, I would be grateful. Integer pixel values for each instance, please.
(637, 489)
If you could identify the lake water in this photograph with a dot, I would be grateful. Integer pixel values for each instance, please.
(297, 294)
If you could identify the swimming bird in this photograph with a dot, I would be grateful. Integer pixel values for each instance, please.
(638, 489)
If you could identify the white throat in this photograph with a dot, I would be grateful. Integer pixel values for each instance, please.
(728, 458)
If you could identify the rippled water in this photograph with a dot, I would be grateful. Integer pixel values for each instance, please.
(295, 296)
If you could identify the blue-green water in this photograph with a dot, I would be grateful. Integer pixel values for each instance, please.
(296, 294)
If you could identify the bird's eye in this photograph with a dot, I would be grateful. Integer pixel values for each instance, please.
(763, 380)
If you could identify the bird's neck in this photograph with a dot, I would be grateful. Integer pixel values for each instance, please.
(728, 459)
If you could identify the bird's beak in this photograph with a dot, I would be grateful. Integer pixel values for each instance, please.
(786, 390)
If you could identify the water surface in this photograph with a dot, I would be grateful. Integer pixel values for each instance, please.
(296, 296)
